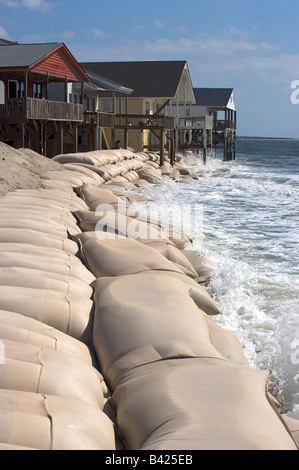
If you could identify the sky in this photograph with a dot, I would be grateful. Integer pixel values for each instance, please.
(251, 46)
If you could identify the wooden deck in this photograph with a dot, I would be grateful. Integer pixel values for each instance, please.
(221, 125)
(22, 109)
(195, 122)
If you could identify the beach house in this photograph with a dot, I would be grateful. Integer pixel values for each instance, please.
(145, 120)
(28, 118)
(218, 103)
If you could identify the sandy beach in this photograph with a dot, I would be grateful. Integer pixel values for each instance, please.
(89, 283)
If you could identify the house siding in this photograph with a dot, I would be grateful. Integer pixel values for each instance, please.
(59, 65)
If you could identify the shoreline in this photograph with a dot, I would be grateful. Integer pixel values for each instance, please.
(80, 184)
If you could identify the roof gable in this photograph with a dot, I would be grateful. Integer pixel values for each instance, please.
(213, 97)
(151, 79)
(52, 58)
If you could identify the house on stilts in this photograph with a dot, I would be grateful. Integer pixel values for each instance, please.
(52, 104)
(219, 104)
(28, 118)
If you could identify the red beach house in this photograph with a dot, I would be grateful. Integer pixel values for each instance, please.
(27, 117)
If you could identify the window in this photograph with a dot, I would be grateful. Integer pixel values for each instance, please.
(106, 107)
(2, 93)
(16, 88)
(37, 91)
(147, 107)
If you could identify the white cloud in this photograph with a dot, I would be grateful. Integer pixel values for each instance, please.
(39, 5)
(68, 34)
(96, 32)
(3, 33)
(159, 24)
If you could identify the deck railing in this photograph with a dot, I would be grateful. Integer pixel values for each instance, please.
(94, 118)
(195, 122)
(144, 121)
(21, 109)
(220, 125)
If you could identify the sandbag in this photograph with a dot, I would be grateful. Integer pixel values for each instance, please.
(198, 293)
(51, 228)
(151, 175)
(80, 157)
(18, 327)
(115, 222)
(198, 404)
(293, 426)
(94, 196)
(66, 220)
(116, 257)
(45, 200)
(32, 237)
(226, 343)
(57, 265)
(143, 318)
(26, 277)
(85, 169)
(41, 251)
(48, 422)
(71, 314)
(200, 264)
(36, 369)
(173, 254)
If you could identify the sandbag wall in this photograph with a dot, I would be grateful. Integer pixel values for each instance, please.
(52, 395)
(178, 380)
(87, 309)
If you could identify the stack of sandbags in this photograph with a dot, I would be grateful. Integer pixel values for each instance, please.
(179, 381)
(200, 404)
(38, 421)
(52, 395)
(107, 165)
(146, 317)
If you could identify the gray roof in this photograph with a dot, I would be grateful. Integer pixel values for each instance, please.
(24, 55)
(107, 85)
(212, 97)
(151, 79)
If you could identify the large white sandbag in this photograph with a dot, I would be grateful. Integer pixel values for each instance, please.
(36, 369)
(293, 426)
(32, 237)
(115, 222)
(80, 157)
(51, 253)
(173, 254)
(144, 318)
(18, 327)
(51, 228)
(200, 264)
(71, 314)
(48, 422)
(27, 277)
(116, 257)
(51, 203)
(94, 196)
(151, 175)
(42, 263)
(67, 221)
(85, 169)
(226, 343)
(198, 404)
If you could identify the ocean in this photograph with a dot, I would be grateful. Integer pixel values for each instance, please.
(249, 231)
